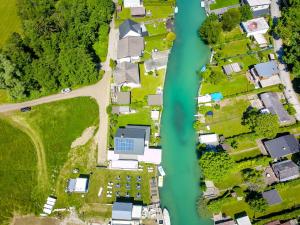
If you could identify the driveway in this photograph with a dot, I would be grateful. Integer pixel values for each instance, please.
(289, 92)
(100, 92)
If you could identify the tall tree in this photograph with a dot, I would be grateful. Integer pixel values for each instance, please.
(210, 30)
(231, 19)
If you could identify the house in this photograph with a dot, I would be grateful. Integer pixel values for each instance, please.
(255, 26)
(138, 11)
(131, 145)
(243, 220)
(129, 28)
(231, 68)
(127, 74)
(132, 3)
(273, 105)
(78, 185)
(123, 97)
(159, 60)
(155, 100)
(259, 7)
(130, 49)
(266, 74)
(272, 197)
(126, 213)
(209, 139)
(282, 146)
(286, 170)
(120, 110)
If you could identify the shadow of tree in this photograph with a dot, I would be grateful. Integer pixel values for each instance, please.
(296, 85)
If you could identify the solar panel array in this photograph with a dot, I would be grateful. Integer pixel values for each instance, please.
(124, 144)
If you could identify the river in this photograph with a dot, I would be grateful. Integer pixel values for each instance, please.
(181, 185)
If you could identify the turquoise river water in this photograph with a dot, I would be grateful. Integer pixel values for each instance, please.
(181, 185)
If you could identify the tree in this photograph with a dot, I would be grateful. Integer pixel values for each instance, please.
(256, 201)
(231, 19)
(171, 36)
(112, 64)
(210, 30)
(216, 165)
(246, 12)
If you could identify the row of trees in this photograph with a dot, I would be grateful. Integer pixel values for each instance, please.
(288, 28)
(56, 47)
(211, 29)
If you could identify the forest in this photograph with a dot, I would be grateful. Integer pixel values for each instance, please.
(56, 47)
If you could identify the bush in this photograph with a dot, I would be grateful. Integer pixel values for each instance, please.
(231, 19)
(210, 30)
(171, 36)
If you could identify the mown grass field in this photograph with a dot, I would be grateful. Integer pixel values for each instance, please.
(222, 3)
(10, 22)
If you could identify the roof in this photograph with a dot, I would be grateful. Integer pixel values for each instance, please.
(127, 72)
(255, 25)
(158, 61)
(155, 114)
(286, 170)
(267, 69)
(130, 47)
(272, 197)
(151, 155)
(243, 220)
(138, 11)
(230, 68)
(137, 212)
(124, 164)
(260, 39)
(156, 99)
(127, 26)
(131, 140)
(120, 109)
(123, 98)
(209, 139)
(273, 104)
(261, 12)
(258, 2)
(79, 185)
(122, 211)
(282, 146)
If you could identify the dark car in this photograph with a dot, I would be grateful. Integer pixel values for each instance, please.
(25, 109)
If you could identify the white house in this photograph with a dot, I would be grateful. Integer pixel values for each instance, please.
(259, 7)
(132, 3)
(255, 26)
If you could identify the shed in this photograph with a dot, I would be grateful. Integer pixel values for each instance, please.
(230, 68)
(282, 146)
(155, 100)
(137, 212)
(261, 40)
(209, 139)
(138, 11)
(154, 114)
(123, 97)
(120, 110)
(272, 197)
(286, 170)
(122, 211)
(78, 185)
(132, 3)
(244, 220)
(204, 99)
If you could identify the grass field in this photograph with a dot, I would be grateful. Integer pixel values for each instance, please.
(156, 28)
(4, 97)
(17, 172)
(10, 22)
(158, 42)
(222, 3)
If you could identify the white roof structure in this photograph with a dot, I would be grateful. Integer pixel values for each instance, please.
(260, 39)
(253, 3)
(132, 3)
(154, 114)
(124, 164)
(209, 139)
(81, 184)
(255, 26)
(47, 211)
(204, 98)
(243, 220)
(137, 212)
(151, 155)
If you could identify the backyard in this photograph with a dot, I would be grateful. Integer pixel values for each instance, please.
(222, 4)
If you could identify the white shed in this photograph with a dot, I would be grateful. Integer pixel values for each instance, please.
(132, 3)
(209, 139)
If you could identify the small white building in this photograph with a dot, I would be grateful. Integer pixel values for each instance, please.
(204, 99)
(243, 220)
(255, 26)
(259, 7)
(132, 3)
(78, 185)
(209, 139)
(155, 115)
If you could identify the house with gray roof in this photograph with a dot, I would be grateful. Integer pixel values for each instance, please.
(159, 60)
(272, 103)
(138, 11)
(282, 146)
(122, 211)
(130, 49)
(127, 74)
(129, 28)
(272, 197)
(155, 100)
(286, 170)
(123, 98)
(120, 110)
(267, 73)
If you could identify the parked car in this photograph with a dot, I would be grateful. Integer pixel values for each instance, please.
(66, 90)
(25, 109)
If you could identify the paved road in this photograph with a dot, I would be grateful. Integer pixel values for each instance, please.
(100, 92)
(289, 92)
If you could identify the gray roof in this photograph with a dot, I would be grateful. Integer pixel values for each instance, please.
(267, 69)
(130, 47)
(131, 140)
(127, 26)
(286, 170)
(120, 109)
(155, 99)
(159, 60)
(123, 98)
(273, 104)
(272, 197)
(282, 146)
(127, 72)
(138, 11)
(262, 12)
(122, 211)
(230, 68)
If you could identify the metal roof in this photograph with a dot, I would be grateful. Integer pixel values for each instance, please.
(122, 211)
(127, 26)
(267, 69)
(286, 170)
(272, 197)
(282, 146)
(155, 99)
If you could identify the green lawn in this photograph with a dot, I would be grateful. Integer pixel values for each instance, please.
(235, 34)
(234, 48)
(244, 142)
(227, 120)
(4, 97)
(10, 22)
(142, 117)
(243, 155)
(223, 3)
(17, 172)
(156, 28)
(158, 42)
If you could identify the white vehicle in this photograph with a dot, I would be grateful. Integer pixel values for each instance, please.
(66, 90)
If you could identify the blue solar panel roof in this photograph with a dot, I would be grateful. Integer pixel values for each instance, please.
(124, 144)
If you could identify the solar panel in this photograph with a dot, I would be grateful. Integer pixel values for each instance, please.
(124, 144)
